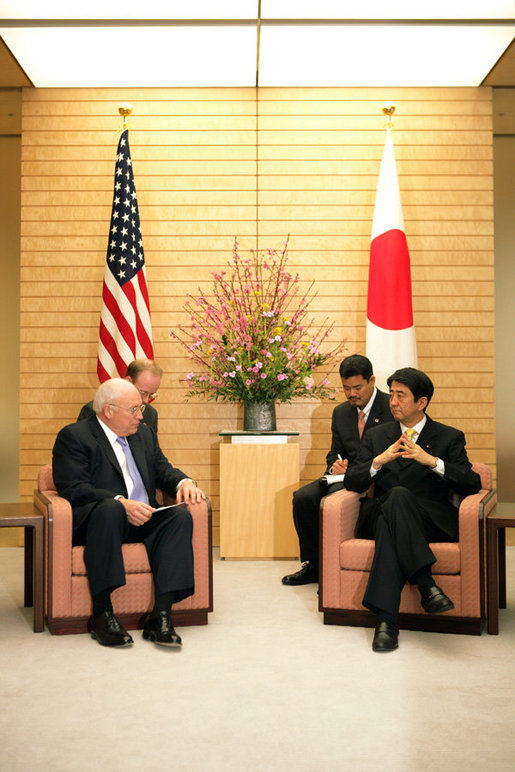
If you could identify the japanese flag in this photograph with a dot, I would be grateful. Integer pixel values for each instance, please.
(391, 341)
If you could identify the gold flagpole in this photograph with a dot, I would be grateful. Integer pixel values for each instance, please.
(125, 109)
(388, 109)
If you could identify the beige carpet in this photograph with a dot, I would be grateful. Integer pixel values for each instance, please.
(265, 686)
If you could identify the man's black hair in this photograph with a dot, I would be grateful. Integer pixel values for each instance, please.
(417, 382)
(356, 364)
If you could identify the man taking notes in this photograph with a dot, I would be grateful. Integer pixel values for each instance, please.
(366, 407)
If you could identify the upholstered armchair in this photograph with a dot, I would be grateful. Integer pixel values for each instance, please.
(459, 569)
(68, 601)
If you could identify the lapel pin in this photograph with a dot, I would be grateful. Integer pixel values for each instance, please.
(376, 420)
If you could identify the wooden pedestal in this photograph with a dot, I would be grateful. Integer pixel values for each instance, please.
(256, 487)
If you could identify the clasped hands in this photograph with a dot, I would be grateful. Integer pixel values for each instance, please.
(139, 513)
(404, 448)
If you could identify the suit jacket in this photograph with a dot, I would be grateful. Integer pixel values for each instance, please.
(344, 427)
(432, 490)
(149, 415)
(86, 470)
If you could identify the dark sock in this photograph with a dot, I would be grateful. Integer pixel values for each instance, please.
(102, 602)
(163, 603)
(384, 616)
(423, 578)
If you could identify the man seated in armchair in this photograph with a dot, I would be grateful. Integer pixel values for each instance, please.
(365, 408)
(108, 467)
(415, 465)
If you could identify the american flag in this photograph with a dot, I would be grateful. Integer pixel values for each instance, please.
(125, 329)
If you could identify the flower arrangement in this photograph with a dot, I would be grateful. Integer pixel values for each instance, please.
(251, 337)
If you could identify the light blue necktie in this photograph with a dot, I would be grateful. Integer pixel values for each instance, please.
(139, 492)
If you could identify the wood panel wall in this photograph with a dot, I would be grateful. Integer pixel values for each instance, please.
(212, 164)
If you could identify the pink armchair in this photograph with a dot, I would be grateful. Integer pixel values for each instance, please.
(459, 569)
(67, 597)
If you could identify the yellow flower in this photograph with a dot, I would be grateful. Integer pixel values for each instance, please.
(278, 331)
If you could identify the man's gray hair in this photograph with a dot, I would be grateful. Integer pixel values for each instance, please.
(109, 391)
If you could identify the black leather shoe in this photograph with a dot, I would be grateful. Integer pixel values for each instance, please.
(436, 601)
(308, 574)
(385, 637)
(159, 629)
(107, 630)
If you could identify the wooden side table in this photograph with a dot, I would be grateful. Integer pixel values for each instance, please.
(257, 480)
(23, 514)
(502, 517)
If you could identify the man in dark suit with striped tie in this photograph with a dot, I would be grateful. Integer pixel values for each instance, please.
(365, 407)
(108, 467)
(415, 465)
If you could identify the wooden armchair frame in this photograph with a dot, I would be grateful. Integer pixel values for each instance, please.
(67, 597)
(460, 568)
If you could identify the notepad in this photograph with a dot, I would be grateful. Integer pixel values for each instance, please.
(333, 478)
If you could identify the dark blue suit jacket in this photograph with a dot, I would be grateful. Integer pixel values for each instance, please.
(432, 490)
(344, 427)
(86, 470)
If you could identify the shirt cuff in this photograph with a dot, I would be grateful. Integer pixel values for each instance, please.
(373, 471)
(440, 467)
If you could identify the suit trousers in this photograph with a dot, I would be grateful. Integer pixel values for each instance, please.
(402, 530)
(306, 508)
(167, 538)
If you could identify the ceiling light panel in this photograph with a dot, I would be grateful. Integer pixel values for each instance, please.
(393, 9)
(131, 9)
(100, 57)
(368, 55)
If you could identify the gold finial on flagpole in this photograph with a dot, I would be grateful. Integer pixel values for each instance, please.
(388, 109)
(125, 109)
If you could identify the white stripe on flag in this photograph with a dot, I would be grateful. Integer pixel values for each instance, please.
(388, 350)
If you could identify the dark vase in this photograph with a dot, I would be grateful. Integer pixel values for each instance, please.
(259, 417)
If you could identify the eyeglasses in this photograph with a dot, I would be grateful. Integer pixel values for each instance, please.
(131, 410)
(149, 394)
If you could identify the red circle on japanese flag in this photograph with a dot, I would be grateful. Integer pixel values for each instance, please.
(389, 282)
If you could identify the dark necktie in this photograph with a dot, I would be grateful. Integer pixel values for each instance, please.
(138, 492)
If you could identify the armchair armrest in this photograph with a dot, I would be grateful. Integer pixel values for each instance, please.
(472, 514)
(59, 534)
(338, 516)
(202, 549)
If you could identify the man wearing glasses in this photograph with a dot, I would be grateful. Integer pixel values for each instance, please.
(108, 467)
(146, 376)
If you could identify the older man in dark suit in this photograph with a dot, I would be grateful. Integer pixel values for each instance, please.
(415, 464)
(366, 407)
(108, 467)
